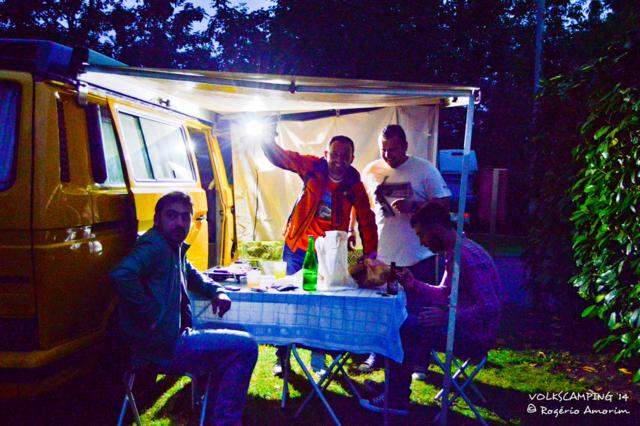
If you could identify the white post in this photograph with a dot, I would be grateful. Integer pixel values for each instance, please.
(453, 298)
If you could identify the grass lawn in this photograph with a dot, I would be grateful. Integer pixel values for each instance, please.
(507, 381)
(537, 354)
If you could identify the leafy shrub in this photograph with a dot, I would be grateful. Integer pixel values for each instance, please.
(606, 241)
(254, 251)
(585, 171)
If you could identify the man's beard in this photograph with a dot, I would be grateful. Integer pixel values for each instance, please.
(175, 235)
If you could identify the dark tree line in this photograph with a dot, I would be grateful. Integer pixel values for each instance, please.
(485, 43)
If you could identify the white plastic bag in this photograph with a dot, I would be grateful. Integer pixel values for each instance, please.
(333, 267)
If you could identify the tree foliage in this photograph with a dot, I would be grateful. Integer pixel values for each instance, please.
(156, 33)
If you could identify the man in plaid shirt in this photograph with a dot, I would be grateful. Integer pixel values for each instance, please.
(478, 310)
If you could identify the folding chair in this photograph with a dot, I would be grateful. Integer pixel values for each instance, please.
(477, 358)
(129, 400)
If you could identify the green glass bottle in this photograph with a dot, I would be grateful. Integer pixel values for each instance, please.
(310, 267)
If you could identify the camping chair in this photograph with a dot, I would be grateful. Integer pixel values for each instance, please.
(129, 400)
(477, 357)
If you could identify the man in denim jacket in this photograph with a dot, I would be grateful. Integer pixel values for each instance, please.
(155, 313)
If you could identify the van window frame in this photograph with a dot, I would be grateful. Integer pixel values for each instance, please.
(12, 166)
(98, 152)
(162, 118)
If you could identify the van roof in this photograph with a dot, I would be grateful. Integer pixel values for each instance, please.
(49, 59)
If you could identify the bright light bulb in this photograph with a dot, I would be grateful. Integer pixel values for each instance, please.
(253, 127)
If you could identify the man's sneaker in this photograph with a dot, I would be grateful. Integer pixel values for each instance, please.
(377, 406)
(420, 373)
(280, 364)
(318, 363)
(319, 374)
(420, 376)
(368, 365)
(277, 368)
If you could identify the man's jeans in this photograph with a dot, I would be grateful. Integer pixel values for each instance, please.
(230, 356)
(294, 259)
(417, 341)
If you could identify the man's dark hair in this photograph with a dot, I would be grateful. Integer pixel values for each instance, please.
(432, 214)
(395, 130)
(342, 139)
(174, 197)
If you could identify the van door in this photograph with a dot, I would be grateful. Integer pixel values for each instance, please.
(201, 135)
(158, 160)
(18, 327)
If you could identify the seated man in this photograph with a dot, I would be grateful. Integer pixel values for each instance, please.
(155, 313)
(478, 309)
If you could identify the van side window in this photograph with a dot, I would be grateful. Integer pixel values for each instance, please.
(158, 150)
(9, 109)
(115, 177)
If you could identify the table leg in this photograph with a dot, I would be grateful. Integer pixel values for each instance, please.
(315, 386)
(386, 391)
(348, 379)
(325, 381)
(286, 367)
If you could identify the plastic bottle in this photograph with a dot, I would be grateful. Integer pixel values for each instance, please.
(310, 267)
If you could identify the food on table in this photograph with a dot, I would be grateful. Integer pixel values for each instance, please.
(370, 273)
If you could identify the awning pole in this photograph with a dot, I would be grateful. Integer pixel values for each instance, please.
(453, 298)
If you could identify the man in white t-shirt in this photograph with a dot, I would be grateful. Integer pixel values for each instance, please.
(399, 184)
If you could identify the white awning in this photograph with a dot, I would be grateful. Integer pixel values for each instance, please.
(204, 92)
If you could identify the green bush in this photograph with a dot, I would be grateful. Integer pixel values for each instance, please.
(254, 251)
(606, 193)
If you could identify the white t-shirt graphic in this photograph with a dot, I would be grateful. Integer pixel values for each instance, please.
(415, 179)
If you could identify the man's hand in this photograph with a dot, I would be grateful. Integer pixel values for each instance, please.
(433, 317)
(351, 240)
(406, 279)
(220, 304)
(404, 205)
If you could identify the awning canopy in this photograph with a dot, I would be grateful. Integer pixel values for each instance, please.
(229, 93)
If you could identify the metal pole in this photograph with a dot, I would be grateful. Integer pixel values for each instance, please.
(291, 86)
(537, 69)
(495, 184)
(453, 298)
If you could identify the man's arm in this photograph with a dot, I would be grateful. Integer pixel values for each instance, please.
(127, 278)
(273, 152)
(405, 205)
(437, 295)
(288, 160)
(351, 236)
(220, 302)
(482, 283)
(366, 220)
(201, 284)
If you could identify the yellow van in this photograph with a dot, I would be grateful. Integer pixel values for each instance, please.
(81, 169)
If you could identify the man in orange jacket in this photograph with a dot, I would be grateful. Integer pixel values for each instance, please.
(332, 187)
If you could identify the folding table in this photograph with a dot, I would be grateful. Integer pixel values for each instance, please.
(341, 320)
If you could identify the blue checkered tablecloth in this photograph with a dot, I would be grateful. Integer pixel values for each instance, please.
(353, 320)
